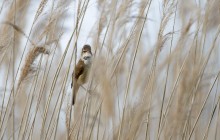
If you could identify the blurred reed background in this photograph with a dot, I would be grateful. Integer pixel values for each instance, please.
(155, 71)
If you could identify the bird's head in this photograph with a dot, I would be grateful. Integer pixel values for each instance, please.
(86, 54)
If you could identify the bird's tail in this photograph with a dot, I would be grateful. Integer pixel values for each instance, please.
(75, 90)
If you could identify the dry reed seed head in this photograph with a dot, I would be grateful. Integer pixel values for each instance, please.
(38, 50)
(187, 28)
(213, 14)
(102, 23)
(18, 29)
(123, 9)
(105, 89)
(48, 25)
(40, 9)
(136, 120)
(135, 123)
(187, 9)
(6, 33)
(29, 61)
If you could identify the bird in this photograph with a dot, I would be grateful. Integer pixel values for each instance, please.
(81, 71)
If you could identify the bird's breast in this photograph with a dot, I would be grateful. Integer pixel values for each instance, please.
(84, 76)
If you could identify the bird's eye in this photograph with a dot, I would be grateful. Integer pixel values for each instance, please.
(84, 51)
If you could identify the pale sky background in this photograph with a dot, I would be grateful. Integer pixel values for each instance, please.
(89, 21)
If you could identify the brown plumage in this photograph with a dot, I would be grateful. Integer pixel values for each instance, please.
(81, 70)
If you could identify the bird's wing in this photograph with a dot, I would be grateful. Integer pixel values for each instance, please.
(75, 90)
(79, 69)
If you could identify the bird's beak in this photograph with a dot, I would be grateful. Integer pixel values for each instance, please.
(86, 57)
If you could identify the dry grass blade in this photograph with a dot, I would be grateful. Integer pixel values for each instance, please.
(19, 30)
(131, 69)
(153, 75)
